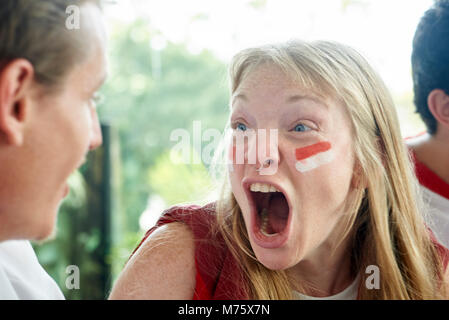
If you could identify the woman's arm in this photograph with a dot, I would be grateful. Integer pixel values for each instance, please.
(162, 268)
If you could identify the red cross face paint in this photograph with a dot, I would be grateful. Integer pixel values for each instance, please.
(231, 157)
(313, 156)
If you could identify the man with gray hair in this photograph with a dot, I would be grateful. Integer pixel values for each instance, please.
(49, 77)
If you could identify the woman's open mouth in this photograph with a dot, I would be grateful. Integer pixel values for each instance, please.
(270, 214)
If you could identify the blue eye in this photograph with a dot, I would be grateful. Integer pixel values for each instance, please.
(301, 128)
(241, 127)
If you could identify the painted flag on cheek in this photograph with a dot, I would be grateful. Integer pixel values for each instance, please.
(313, 156)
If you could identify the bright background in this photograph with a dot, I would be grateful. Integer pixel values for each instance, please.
(168, 64)
(382, 30)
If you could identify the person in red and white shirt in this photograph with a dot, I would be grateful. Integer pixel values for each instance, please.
(430, 150)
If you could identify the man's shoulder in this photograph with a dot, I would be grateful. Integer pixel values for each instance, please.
(22, 275)
(7, 291)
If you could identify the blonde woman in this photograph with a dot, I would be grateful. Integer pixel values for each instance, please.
(331, 211)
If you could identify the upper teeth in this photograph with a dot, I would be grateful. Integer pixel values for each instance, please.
(263, 187)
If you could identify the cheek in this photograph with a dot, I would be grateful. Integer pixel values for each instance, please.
(238, 149)
(236, 157)
(238, 192)
(231, 153)
(75, 138)
(83, 128)
(236, 173)
(313, 156)
(323, 173)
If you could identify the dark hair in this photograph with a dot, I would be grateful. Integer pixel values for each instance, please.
(430, 59)
(36, 30)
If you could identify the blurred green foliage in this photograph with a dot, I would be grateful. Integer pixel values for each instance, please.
(149, 94)
(177, 183)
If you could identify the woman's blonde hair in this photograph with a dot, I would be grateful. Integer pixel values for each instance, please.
(386, 224)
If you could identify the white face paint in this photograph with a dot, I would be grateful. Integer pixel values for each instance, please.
(313, 156)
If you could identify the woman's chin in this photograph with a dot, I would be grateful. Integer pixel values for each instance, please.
(274, 260)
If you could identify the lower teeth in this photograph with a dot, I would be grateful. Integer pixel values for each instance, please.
(264, 217)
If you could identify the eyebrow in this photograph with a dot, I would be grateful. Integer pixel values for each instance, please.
(242, 113)
(238, 96)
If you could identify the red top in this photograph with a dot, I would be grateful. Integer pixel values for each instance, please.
(428, 178)
(218, 276)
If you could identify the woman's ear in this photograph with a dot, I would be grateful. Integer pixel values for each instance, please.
(438, 103)
(15, 88)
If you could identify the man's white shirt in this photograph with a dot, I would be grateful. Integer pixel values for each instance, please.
(21, 275)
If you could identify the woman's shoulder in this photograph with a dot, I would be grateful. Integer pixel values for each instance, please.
(201, 220)
(163, 265)
(195, 216)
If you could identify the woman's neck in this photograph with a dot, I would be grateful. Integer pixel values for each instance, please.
(325, 272)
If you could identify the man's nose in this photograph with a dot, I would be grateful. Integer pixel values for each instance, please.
(96, 137)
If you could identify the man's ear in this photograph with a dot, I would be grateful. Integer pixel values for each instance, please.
(438, 102)
(15, 88)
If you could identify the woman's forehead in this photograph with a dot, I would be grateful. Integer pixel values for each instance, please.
(268, 76)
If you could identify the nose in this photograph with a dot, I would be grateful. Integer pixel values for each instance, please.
(264, 150)
(96, 139)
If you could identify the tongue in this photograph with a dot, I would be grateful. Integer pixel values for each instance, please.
(277, 208)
